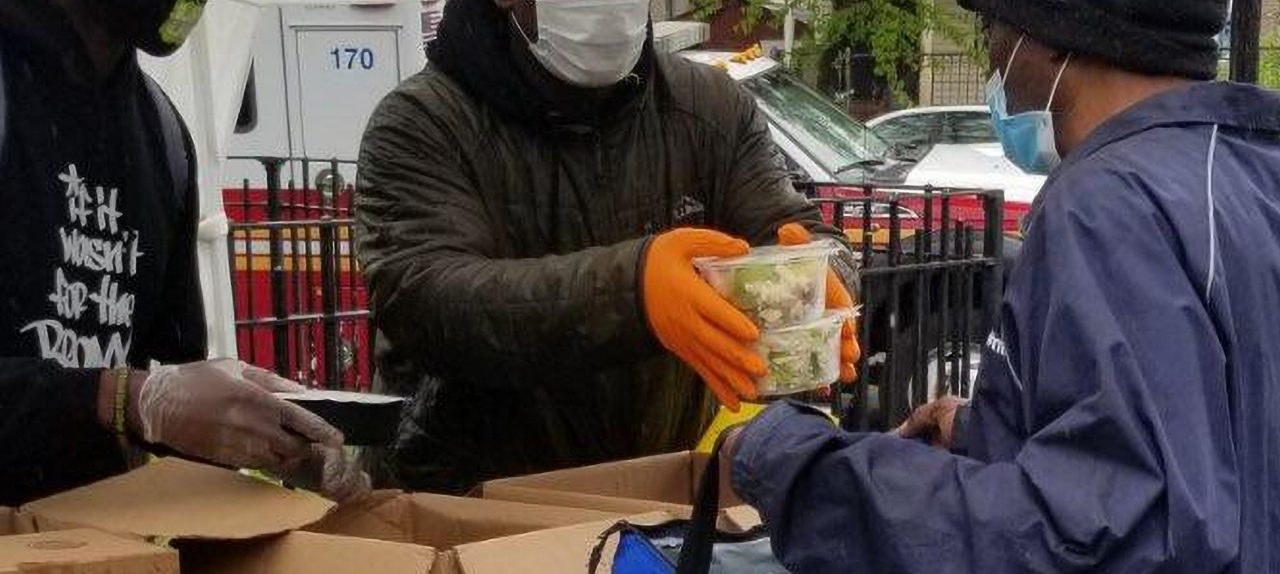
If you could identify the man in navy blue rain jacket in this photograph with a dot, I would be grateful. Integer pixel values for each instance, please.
(1127, 416)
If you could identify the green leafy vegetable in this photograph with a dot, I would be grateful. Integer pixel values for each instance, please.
(801, 358)
(778, 294)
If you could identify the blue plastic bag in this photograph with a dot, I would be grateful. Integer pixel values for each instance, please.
(690, 546)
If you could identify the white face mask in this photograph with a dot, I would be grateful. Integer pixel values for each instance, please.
(590, 43)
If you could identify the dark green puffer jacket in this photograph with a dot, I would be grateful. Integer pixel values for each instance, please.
(503, 258)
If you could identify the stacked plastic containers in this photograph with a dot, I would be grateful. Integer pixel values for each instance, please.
(783, 290)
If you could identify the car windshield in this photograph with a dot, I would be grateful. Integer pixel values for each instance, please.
(831, 137)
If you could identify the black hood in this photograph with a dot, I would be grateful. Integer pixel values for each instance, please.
(474, 47)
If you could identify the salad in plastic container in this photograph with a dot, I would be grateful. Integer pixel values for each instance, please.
(802, 358)
(774, 286)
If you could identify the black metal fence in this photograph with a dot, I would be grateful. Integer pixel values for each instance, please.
(931, 280)
(300, 303)
(952, 79)
(1268, 66)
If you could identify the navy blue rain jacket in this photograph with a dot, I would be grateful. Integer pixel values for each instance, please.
(1127, 413)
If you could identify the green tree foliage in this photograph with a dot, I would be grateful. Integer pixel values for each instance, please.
(1269, 63)
(890, 31)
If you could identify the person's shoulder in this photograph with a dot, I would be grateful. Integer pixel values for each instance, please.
(429, 100)
(1094, 184)
(688, 76)
(1160, 168)
(702, 92)
(1128, 188)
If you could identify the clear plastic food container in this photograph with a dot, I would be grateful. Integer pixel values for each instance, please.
(774, 286)
(801, 358)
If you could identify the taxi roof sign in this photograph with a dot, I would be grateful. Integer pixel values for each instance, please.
(741, 66)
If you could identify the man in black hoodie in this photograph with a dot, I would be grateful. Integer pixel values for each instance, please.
(98, 274)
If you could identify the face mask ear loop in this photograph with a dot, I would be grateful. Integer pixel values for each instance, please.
(1056, 81)
(520, 28)
(1004, 76)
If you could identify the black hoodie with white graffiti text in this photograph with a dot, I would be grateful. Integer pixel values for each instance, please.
(97, 251)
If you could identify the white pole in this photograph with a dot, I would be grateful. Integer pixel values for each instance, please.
(215, 264)
(789, 36)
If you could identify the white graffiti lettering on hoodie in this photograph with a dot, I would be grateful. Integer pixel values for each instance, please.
(93, 241)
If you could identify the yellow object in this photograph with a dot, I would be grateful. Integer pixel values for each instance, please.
(879, 237)
(723, 65)
(753, 53)
(725, 419)
(118, 421)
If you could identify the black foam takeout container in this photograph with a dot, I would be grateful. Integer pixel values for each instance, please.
(365, 420)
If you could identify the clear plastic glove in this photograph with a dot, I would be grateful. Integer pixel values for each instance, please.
(223, 411)
(333, 473)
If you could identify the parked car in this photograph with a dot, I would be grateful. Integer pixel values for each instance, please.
(922, 128)
(842, 158)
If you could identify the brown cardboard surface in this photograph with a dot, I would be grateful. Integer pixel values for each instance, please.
(83, 551)
(299, 552)
(446, 521)
(14, 522)
(580, 500)
(174, 498)
(741, 518)
(667, 483)
(6, 521)
(664, 477)
(556, 551)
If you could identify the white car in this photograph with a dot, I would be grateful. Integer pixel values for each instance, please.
(824, 144)
(928, 126)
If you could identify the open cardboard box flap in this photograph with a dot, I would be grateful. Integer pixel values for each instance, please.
(446, 521)
(469, 532)
(223, 522)
(554, 551)
(585, 501)
(666, 483)
(306, 552)
(83, 551)
(14, 522)
(174, 498)
(665, 477)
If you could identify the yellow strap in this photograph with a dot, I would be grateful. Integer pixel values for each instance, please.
(725, 419)
(119, 422)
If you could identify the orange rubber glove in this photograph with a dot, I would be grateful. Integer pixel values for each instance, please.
(692, 321)
(837, 298)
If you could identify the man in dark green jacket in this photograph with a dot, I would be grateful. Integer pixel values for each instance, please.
(529, 206)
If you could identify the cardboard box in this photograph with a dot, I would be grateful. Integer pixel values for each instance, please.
(223, 522)
(665, 483)
(83, 551)
(556, 551)
(173, 498)
(443, 522)
(452, 525)
(306, 552)
(12, 522)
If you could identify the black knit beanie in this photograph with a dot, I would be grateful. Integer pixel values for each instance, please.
(1159, 37)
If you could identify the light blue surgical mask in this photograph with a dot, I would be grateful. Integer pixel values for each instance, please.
(1027, 138)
